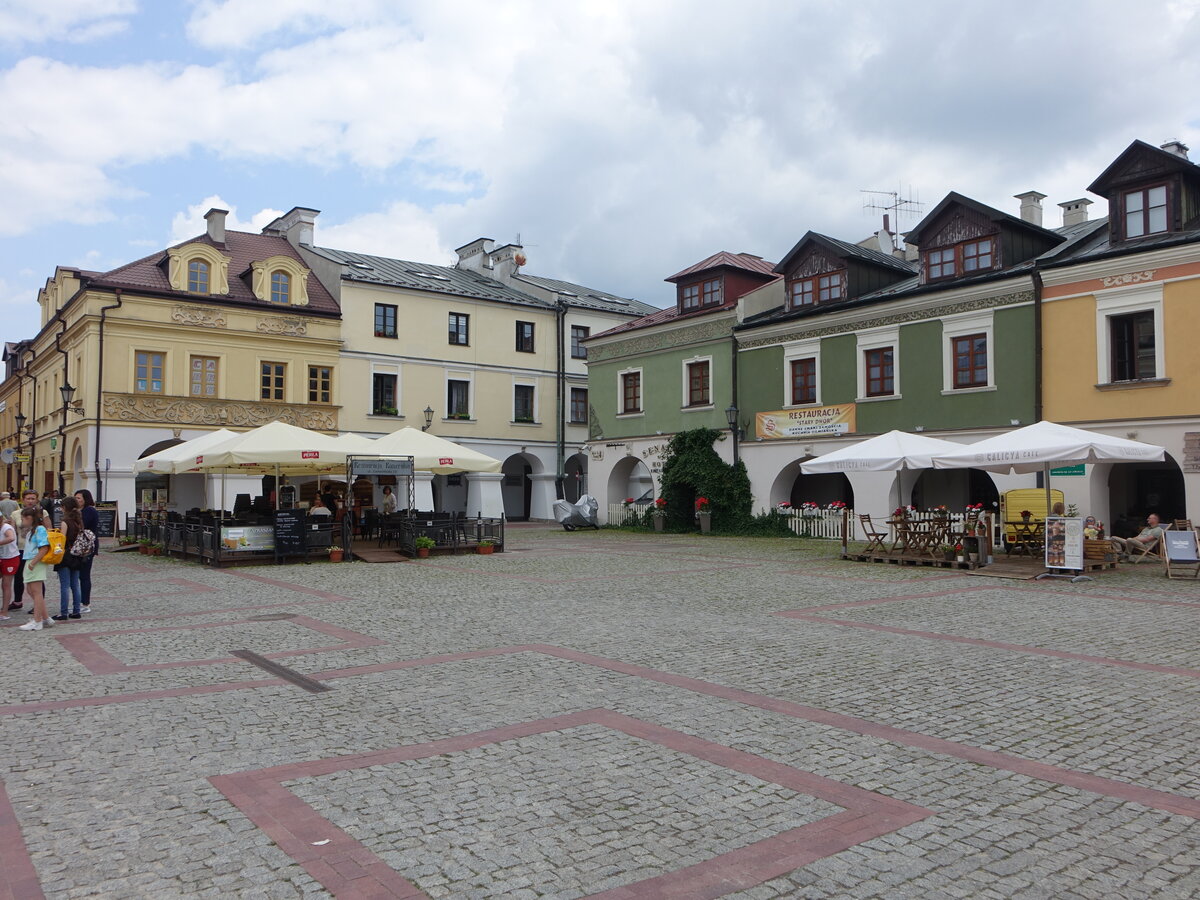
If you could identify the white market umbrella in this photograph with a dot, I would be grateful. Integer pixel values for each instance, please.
(883, 453)
(180, 457)
(1037, 447)
(431, 453)
(275, 446)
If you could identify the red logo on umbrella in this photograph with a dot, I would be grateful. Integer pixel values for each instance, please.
(446, 461)
(199, 459)
(310, 454)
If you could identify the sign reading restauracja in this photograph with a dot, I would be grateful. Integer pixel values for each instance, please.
(807, 422)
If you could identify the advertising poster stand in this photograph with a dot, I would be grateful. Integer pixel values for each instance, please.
(1064, 548)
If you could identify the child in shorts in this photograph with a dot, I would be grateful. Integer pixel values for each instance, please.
(37, 545)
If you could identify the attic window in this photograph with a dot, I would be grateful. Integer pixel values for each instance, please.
(568, 293)
(965, 257)
(363, 266)
(1145, 211)
(700, 294)
(433, 275)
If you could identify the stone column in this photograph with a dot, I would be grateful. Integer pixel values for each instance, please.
(484, 497)
(541, 498)
(422, 492)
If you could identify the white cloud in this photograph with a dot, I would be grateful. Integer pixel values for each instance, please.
(402, 231)
(75, 21)
(191, 222)
(238, 24)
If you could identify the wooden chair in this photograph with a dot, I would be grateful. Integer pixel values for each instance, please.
(1183, 524)
(1181, 553)
(874, 536)
(1139, 551)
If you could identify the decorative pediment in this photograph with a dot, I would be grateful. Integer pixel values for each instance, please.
(218, 267)
(958, 224)
(816, 262)
(1140, 163)
(262, 270)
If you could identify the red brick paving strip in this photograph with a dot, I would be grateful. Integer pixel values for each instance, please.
(86, 649)
(348, 869)
(18, 877)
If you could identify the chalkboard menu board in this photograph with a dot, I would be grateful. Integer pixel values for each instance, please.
(107, 510)
(289, 532)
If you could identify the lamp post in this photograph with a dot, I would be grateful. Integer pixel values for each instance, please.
(428, 418)
(20, 418)
(68, 394)
(731, 417)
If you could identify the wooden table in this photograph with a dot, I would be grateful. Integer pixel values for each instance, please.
(1027, 537)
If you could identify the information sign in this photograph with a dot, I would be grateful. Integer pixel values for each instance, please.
(289, 532)
(107, 511)
(401, 468)
(1064, 542)
(248, 539)
(1078, 469)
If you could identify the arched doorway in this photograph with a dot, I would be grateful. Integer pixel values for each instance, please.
(78, 479)
(792, 485)
(517, 487)
(630, 478)
(954, 489)
(1137, 489)
(153, 481)
(575, 477)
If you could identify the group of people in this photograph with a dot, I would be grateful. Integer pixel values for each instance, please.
(25, 544)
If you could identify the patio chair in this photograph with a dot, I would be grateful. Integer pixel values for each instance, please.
(1153, 550)
(1181, 553)
(874, 536)
(1183, 524)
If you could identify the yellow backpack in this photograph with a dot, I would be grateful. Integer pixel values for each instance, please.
(58, 548)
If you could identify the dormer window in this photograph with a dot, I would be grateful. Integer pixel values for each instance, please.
(281, 287)
(966, 258)
(825, 288)
(1145, 211)
(198, 276)
(700, 294)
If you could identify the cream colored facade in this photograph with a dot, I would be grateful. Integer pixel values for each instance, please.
(153, 363)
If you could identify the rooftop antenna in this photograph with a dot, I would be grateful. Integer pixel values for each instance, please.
(894, 205)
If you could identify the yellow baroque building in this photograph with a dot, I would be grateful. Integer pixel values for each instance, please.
(226, 330)
(1120, 319)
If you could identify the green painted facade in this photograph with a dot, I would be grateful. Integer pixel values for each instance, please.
(921, 401)
(661, 357)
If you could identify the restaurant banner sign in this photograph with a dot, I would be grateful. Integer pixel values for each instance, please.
(248, 539)
(808, 422)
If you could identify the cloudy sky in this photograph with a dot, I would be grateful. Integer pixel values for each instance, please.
(621, 140)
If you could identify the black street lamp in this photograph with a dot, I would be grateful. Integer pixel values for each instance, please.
(428, 418)
(731, 417)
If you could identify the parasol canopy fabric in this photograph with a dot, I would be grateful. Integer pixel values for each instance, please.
(883, 453)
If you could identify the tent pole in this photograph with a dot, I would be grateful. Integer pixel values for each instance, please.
(1046, 485)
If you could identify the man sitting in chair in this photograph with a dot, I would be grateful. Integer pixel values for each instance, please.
(1144, 541)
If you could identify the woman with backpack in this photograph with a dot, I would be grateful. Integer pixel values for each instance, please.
(70, 596)
(37, 545)
(91, 522)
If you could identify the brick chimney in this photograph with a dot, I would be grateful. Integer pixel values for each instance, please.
(1177, 147)
(1031, 207)
(216, 225)
(475, 256)
(1075, 212)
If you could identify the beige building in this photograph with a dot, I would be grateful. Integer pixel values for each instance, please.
(228, 329)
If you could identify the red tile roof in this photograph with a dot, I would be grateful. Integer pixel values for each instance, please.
(242, 248)
(747, 261)
(663, 315)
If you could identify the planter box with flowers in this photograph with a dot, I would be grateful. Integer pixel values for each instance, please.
(704, 514)
(659, 513)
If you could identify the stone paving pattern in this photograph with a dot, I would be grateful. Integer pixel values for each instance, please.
(604, 713)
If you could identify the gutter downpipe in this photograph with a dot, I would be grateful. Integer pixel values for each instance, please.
(733, 389)
(1037, 346)
(62, 427)
(560, 402)
(32, 410)
(100, 485)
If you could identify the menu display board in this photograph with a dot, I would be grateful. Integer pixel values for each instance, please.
(290, 526)
(1064, 542)
(107, 511)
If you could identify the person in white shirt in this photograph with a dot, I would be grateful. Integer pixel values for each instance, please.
(389, 501)
(319, 508)
(10, 561)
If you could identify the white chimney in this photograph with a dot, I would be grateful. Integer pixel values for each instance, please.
(216, 225)
(506, 261)
(476, 255)
(1179, 148)
(1075, 212)
(298, 225)
(1031, 207)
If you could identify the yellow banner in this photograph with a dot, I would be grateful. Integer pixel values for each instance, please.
(808, 422)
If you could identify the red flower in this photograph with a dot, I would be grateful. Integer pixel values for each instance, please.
(661, 502)
(701, 504)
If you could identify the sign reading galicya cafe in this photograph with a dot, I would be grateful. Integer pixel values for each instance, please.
(808, 422)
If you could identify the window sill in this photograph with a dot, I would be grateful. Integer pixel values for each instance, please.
(390, 337)
(463, 421)
(526, 424)
(878, 399)
(580, 356)
(631, 415)
(812, 405)
(576, 422)
(375, 415)
(969, 390)
(1131, 385)
(697, 408)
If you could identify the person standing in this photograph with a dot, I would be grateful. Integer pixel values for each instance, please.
(10, 562)
(389, 501)
(91, 521)
(29, 500)
(69, 595)
(37, 545)
(8, 505)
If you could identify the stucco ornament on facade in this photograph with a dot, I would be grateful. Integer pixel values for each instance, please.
(199, 316)
(1128, 278)
(702, 331)
(186, 411)
(912, 315)
(286, 325)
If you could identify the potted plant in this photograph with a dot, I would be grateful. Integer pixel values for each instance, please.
(144, 546)
(486, 547)
(784, 507)
(659, 513)
(1026, 515)
(704, 514)
(947, 553)
(336, 553)
(958, 552)
(424, 544)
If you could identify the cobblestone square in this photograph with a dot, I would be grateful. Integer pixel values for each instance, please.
(605, 714)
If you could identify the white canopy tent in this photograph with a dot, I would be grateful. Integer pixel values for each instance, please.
(1037, 447)
(173, 459)
(883, 453)
(431, 453)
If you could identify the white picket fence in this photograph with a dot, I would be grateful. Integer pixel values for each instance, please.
(822, 523)
(620, 514)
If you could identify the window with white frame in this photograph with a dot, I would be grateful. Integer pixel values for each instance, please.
(523, 403)
(1129, 335)
(802, 373)
(629, 392)
(697, 382)
(458, 398)
(879, 364)
(968, 353)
